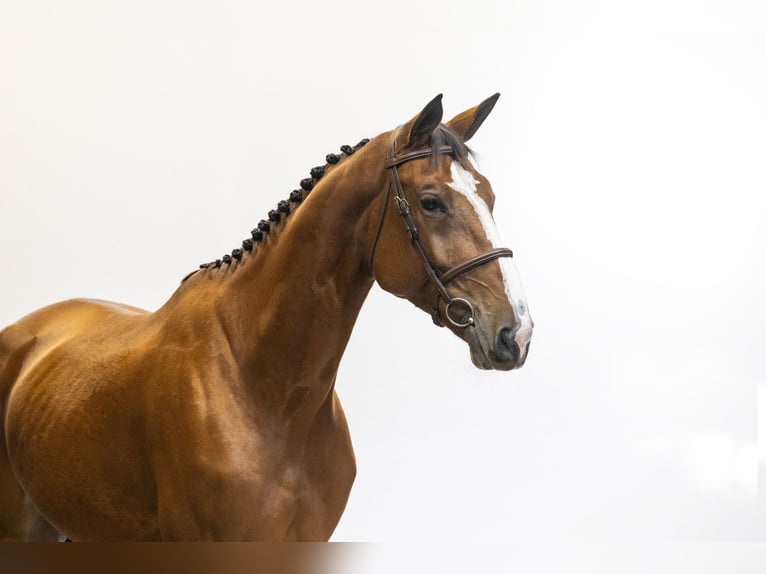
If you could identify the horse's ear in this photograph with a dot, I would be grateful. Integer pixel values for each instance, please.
(422, 126)
(469, 121)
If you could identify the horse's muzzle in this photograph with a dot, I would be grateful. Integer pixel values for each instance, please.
(507, 351)
(508, 354)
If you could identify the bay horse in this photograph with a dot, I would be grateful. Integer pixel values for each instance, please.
(215, 417)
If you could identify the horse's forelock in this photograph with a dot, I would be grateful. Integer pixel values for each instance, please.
(445, 136)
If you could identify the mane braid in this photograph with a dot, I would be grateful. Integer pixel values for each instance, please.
(283, 210)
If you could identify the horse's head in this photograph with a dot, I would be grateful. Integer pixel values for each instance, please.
(447, 258)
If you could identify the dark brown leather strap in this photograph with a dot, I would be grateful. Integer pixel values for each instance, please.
(477, 261)
(395, 160)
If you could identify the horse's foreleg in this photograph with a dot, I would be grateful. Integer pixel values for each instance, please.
(19, 519)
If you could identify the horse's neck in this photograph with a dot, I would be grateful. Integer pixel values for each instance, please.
(285, 313)
(302, 299)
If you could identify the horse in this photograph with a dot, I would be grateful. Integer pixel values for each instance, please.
(215, 417)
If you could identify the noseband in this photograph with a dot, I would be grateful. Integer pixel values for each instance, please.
(439, 279)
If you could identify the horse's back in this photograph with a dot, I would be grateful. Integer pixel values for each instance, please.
(36, 334)
(45, 371)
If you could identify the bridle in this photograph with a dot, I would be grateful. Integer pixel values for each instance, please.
(439, 279)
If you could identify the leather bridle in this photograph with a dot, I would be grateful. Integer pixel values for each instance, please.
(453, 313)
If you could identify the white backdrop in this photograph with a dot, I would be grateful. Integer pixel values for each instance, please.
(627, 152)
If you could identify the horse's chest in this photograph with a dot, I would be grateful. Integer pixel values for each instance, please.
(266, 487)
(308, 494)
(234, 473)
(299, 507)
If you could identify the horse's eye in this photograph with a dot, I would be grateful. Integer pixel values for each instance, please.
(431, 203)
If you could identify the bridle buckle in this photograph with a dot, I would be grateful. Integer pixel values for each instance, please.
(402, 205)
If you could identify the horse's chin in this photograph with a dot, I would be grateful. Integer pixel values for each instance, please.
(481, 361)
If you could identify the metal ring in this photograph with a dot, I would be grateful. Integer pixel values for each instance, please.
(466, 322)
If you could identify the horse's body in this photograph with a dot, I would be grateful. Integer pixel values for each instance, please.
(215, 417)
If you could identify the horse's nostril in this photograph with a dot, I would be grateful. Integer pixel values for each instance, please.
(507, 350)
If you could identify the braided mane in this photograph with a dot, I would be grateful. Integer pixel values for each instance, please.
(441, 136)
(283, 210)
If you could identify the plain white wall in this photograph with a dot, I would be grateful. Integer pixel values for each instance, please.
(627, 152)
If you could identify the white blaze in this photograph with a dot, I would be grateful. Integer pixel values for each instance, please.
(465, 184)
